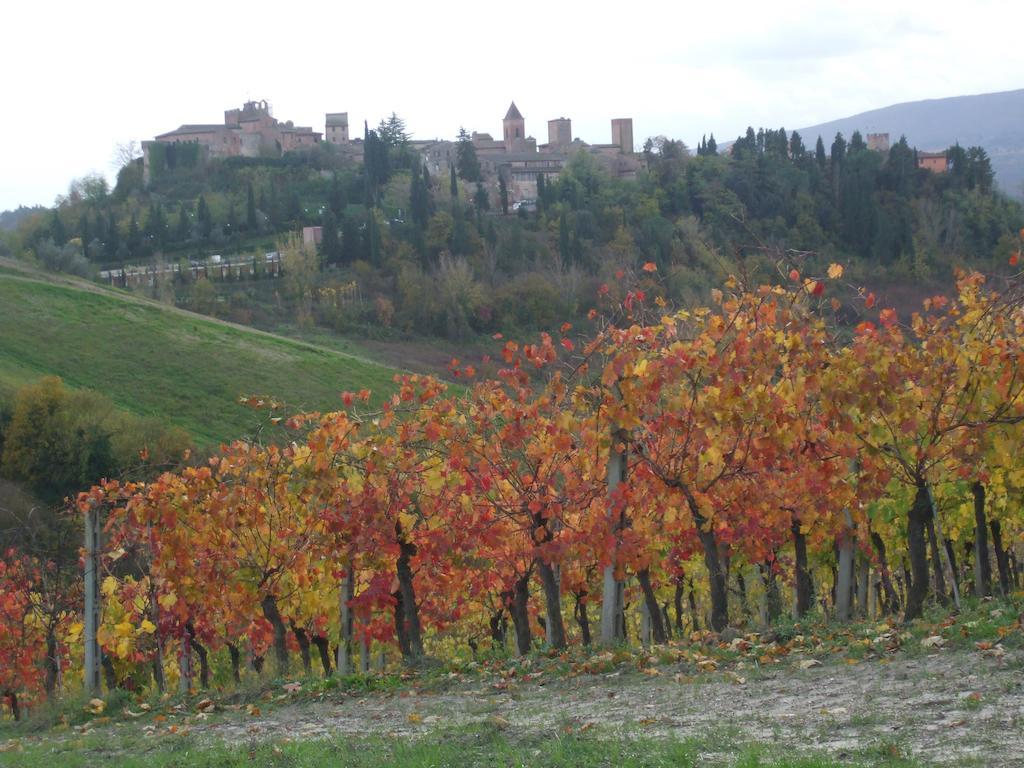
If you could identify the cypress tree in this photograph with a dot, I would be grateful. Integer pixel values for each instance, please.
(330, 246)
(454, 183)
(418, 197)
(113, 242)
(84, 234)
(251, 219)
(503, 194)
(819, 154)
(712, 146)
(203, 218)
(134, 241)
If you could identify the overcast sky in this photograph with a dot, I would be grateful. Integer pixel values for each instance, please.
(78, 78)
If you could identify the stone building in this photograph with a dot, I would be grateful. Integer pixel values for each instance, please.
(936, 162)
(336, 127)
(879, 142)
(249, 131)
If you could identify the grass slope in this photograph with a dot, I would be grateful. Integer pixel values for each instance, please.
(158, 361)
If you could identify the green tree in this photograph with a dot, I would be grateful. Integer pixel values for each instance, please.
(503, 194)
(466, 161)
(203, 218)
(57, 232)
(252, 222)
(481, 200)
(330, 245)
(419, 199)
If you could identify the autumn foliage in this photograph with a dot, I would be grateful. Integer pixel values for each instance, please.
(760, 435)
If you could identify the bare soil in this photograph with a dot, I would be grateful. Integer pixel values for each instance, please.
(945, 708)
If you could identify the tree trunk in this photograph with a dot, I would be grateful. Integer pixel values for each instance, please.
(933, 546)
(521, 614)
(613, 625)
(773, 600)
(236, 662)
(692, 600)
(400, 634)
(802, 575)
(891, 600)
(582, 619)
(1002, 561)
(204, 659)
(109, 675)
(498, 627)
(677, 603)
(741, 585)
(52, 663)
(12, 699)
(863, 582)
(1014, 569)
(982, 567)
(716, 574)
(917, 519)
(273, 615)
(553, 604)
(324, 646)
(410, 609)
(303, 640)
(843, 599)
(653, 610)
(665, 618)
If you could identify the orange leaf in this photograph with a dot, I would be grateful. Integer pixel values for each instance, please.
(650, 266)
(869, 302)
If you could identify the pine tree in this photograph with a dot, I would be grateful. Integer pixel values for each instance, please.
(712, 146)
(796, 146)
(184, 228)
(454, 183)
(819, 154)
(481, 200)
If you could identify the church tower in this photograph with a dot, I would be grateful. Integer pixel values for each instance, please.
(515, 130)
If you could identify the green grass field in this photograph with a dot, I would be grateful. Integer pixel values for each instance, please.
(154, 360)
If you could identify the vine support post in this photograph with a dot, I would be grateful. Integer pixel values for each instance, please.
(612, 631)
(92, 661)
(943, 554)
(345, 595)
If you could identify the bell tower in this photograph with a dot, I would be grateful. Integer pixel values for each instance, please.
(515, 130)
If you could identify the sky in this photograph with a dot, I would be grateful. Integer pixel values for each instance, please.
(80, 78)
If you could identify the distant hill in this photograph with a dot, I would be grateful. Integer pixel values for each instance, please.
(10, 219)
(994, 121)
(155, 360)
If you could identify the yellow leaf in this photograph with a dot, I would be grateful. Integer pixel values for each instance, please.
(124, 629)
(168, 600)
(147, 626)
(835, 271)
(109, 586)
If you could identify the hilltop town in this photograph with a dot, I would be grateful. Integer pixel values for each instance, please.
(517, 158)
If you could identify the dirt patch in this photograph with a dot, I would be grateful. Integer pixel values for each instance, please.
(945, 708)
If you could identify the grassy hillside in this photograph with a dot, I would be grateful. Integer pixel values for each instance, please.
(159, 361)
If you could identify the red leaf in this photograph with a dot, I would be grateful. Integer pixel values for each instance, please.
(794, 275)
(869, 302)
(568, 345)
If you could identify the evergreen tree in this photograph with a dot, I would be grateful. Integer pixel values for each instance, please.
(232, 223)
(84, 233)
(351, 242)
(294, 213)
(156, 225)
(711, 148)
(454, 183)
(466, 161)
(542, 192)
(428, 184)
(112, 244)
(57, 231)
(330, 245)
(819, 154)
(134, 241)
(857, 143)
(418, 198)
(337, 200)
(184, 228)
(251, 219)
(564, 243)
(203, 218)
(503, 194)
(796, 146)
(481, 200)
